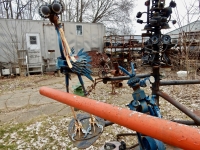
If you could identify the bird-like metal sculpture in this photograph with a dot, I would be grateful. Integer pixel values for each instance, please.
(80, 128)
(68, 62)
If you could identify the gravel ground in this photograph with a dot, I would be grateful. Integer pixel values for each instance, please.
(50, 132)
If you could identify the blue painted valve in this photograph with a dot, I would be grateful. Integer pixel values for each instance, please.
(143, 104)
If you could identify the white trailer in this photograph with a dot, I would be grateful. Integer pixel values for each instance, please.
(39, 40)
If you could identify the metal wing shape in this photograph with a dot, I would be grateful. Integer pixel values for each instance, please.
(81, 64)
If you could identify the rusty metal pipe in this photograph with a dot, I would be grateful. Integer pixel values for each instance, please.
(186, 122)
(179, 82)
(106, 79)
(181, 107)
(169, 132)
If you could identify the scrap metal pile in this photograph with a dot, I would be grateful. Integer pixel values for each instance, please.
(143, 115)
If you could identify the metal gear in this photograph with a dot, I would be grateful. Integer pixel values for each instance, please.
(44, 11)
(57, 6)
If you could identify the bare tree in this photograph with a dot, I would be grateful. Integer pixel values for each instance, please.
(19, 9)
(189, 35)
(115, 14)
(8, 8)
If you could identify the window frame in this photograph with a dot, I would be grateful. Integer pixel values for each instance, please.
(77, 31)
(35, 40)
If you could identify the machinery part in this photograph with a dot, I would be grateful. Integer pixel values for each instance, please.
(128, 134)
(57, 7)
(181, 136)
(106, 79)
(44, 11)
(156, 47)
(166, 39)
(152, 144)
(155, 39)
(114, 145)
(144, 104)
(87, 136)
(181, 107)
(179, 82)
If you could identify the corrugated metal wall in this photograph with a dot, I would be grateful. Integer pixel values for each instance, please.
(191, 27)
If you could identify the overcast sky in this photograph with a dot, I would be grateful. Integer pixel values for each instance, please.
(180, 11)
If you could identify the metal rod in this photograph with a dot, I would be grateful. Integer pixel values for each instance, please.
(179, 106)
(108, 123)
(181, 136)
(155, 85)
(124, 77)
(179, 82)
(67, 82)
(186, 122)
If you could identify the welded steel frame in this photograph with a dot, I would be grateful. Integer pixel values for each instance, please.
(156, 91)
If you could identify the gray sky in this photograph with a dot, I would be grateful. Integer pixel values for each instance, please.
(180, 11)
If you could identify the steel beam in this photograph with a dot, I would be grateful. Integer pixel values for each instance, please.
(181, 107)
(106, 79)
(179, 82)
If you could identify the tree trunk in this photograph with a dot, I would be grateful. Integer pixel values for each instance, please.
(11, 12)
(6, 9)
(77, 12)
(30, 15)
(81, 11)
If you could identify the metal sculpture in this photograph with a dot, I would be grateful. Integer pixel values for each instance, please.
(68, 62)
(157, 48)
(155, 53)
(169, 132)
(80, 128)
(144, 104)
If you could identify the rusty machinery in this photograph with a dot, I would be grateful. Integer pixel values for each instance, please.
(150, 135)
(156, 52)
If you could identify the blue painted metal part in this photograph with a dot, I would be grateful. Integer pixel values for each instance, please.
(149, 143)
(144, 104)
(138, 95)
(67, 81)
(80, 65)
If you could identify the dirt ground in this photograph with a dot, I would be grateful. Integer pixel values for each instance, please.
(41, 123)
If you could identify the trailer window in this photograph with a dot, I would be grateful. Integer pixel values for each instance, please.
(79, 29)
(33, 40)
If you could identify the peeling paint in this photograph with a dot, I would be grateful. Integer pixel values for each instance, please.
(131, 113)
(183, 138)
(119, 108)
(196, 143)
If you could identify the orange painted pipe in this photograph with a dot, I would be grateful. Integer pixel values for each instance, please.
(169, 132)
